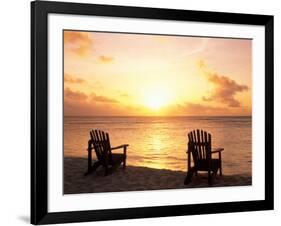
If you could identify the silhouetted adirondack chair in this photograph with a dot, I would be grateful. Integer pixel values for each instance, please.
(99, 141)
(200, 147)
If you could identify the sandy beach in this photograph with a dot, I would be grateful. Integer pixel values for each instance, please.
(135, 178)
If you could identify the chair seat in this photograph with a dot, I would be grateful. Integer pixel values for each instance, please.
(203, 164)
(117, 158)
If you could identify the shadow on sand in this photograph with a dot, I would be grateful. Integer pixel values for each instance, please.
(135, 178)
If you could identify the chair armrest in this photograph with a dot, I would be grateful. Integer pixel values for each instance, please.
(120, 146)
(217, 150)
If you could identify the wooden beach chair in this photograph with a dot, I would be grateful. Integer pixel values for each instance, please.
(200, 148)
(99, 141)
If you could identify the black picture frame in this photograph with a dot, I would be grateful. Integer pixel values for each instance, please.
(39, 112)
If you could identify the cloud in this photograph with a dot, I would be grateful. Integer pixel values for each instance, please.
(198, 45)
(122, 94)
(80, 96)
(225, 88)
(125, 95)
(79, 103)
(71, 79)
(196, 109)
(94, 109)
(97, 98)
(106, 59)
(79, 43)
(74, 95)
(200, 109)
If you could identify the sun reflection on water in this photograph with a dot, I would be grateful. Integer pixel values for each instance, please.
(162, 142)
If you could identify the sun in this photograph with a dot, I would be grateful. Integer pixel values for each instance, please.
(156, 99)
(155, 102)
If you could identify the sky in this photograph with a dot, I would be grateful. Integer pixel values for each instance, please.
(117, 74)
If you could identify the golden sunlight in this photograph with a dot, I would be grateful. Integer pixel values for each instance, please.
(147, 75)
(156, 98)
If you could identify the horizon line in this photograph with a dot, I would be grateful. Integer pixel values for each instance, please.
(157, 116)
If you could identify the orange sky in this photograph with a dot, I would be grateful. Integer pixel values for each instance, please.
(111, 74)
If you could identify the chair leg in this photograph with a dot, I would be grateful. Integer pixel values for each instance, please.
(220, 169)
(215, 172)
(87, 173)
(220, 164)
(209, 177)
(89, 170)
(93, 168)
(189, 176)
(124, 163)
(125, 157)
(96, 165)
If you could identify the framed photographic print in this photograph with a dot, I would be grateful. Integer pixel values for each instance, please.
(144, 112)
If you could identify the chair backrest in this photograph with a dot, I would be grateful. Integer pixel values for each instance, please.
(101, 144)
(199, 143)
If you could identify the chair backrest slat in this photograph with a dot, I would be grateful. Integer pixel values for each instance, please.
(209, 145)
(92, 135)
(206, 141)
(195, 140)
(97, 145)
(101, 144)
(199, 143)
(203, 146)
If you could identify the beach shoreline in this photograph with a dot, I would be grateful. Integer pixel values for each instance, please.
(136, 178)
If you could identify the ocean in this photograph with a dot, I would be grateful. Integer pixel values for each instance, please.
(161, 142)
